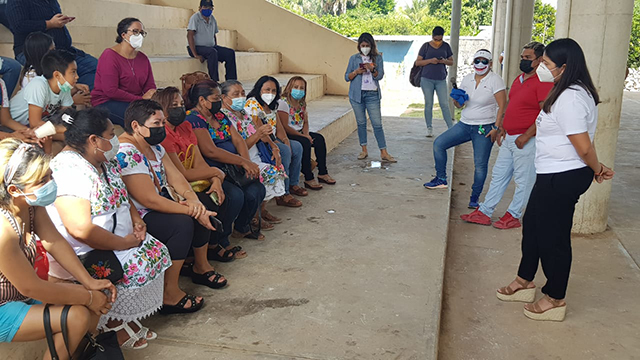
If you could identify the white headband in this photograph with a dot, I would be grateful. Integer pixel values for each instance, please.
(483, 54)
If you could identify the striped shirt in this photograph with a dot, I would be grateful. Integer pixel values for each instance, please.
(8, 292)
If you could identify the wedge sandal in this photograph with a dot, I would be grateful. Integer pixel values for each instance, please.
(524, 294)
(556, 313)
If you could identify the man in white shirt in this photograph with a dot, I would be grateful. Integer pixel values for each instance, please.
(203, 43)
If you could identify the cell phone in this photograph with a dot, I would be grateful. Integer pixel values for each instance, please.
(216, 224)
(440, 58)
(214, 198)
(362, 66)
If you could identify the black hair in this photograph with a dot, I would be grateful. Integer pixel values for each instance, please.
(91, 121)
(123, 27)
(206, 3)
(368, 38)
(538, 48)
(568, 52)
(139, 111)
(35, 46)
(56, 60)
(257, 88)
(203, 88)
(437, 31)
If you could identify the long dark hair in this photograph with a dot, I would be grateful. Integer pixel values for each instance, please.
(87, 122)
(368, 38)
(35, 46)
(568, 51)
(255, 92)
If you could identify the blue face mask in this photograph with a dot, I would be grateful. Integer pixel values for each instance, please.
(45, 195)
(206, 12)
(238, 103)
(297, 94)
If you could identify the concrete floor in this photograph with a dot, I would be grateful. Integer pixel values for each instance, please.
(603, 317)
(356, 273)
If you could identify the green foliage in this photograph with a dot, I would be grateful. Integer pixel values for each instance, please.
(379, 6)
(634, 44)
(544, 22)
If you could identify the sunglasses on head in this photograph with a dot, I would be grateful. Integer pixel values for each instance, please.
(478, 61)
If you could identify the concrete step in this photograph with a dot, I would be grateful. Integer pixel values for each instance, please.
(167, 70)
(333, 117)
(315, 84)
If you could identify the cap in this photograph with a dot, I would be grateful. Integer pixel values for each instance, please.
(483, 54)
(206, 3)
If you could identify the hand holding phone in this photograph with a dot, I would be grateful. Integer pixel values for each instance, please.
(216, 224)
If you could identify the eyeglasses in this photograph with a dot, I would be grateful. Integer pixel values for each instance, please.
(478, 61)
(138, 32)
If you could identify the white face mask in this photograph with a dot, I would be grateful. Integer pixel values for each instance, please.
(268, 98)
(544, 74)
(115, 147)
(136, 41)
(365, 50)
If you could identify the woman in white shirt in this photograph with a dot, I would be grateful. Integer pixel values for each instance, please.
(566, 164)
(485, 107)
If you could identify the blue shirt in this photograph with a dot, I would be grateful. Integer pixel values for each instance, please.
(435, 71)
(355, 85)
(27, 16)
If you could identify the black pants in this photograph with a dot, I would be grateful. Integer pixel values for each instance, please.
(246, 202)
(546, 231)
(321, 154)
(178, 232)
(215, 54)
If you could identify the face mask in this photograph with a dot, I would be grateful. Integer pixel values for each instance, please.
(544, 74)
(45, 195)
(365, 50)
(215, 107)
(437, 42)
(66, 87)
(268, 98)
(136, 41)
(206, 12)
(115, 146)
(525, 66)
(177, 115)
(297, 94)
(238, 103)
(481, 68)
(156, 135)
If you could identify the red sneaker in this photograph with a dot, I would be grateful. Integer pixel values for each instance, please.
(476, 217)
(507, 222)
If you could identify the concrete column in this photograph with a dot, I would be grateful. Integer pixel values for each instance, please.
(498, 30)
(518, 27)
(454, 41)
(602, 28)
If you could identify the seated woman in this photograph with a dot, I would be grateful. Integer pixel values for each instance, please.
(26, 186)
(222, 146)
(181, 145)
(261, 106)
(124, 74)
(256, 135)
(92, 211)
(10, 128)
(153, 183)
(292, 113)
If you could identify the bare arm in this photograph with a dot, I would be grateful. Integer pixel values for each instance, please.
(192, 42)
(211, 151)
(448, 62)
(175, 179)
(140, 186)
(584, 147)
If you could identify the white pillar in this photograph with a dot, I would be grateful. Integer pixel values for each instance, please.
(602, 28)
(454, 41)
(518, 28)
(498, 31)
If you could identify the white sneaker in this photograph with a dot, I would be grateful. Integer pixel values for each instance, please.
(429, 132)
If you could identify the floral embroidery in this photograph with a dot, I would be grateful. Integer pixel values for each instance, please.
(296, 116)
(221, 133)
(146, 264)
(101, 270)
(253, 108)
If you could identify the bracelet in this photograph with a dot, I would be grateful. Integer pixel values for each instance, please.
(91, 299)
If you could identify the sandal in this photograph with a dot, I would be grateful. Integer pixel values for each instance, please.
(248, 235)
(292, 202)
(524, 294)
(180, 308)
(267, 216)
(326, 179)
(312, 186)
(264, 225)
(130, 343)
(363, 155)
(298, 191)
(203, 279)
(144, 332)
(214, 254)
(556, 313)
(238, 253)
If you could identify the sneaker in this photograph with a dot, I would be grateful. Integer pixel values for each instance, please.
(473, 202)
(429, 132)
(436, 183)
(507, 222)
(476, 217)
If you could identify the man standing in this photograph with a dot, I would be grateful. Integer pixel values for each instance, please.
(27, 16)
(203, 44)
(517, 146)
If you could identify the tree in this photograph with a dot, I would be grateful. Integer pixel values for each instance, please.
(634, 45)
(379, 6)
(544, 22)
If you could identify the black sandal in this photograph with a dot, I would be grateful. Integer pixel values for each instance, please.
(180, 308)
(213, 254)
(203, 279)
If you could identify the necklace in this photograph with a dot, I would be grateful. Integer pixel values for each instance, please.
(131, 62)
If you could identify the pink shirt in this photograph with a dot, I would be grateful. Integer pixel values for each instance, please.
(121, 79)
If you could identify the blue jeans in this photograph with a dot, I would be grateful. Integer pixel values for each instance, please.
(461, 133)
(245, 203)
(10, 72)
(116, 111)
(371, 104)
(292, 162)
(512, 163)
(428, 86)
(87, 65)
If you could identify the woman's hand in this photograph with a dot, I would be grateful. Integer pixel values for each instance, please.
(101, 285)
(370, 66)
(308, 137)
(252, 169)
(149, 94)
(196, 208)
(26, 135)
(82, 98)
(265, 130)
(359, 71)
(276, 156)
(99, 303)
(216, 187)
(204, 219)
(493, 134)
(132, 241)
(605, 174)
(140, 229)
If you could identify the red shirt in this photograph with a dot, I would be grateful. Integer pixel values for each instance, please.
(524, 103)
(178, 140)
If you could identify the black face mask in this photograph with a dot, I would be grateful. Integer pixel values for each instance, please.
(525, 66)
(177, 115)
(215, 107)
(156, 135)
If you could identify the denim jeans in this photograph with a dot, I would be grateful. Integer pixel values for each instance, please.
(371, 104)
(512, 163)
(116, 111)
(292, 162)
(461, 133)
(428, 86)
(10, 72)
(244, 203)
(86, 63)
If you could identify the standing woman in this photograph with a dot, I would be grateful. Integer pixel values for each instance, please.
(566, 164)
(124, 73)
(434, 57)
(365, 70)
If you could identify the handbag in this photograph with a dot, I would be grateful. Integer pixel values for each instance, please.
(237, 175)
(416, 73)
(102, 347)
(189, 158)
(190, 79)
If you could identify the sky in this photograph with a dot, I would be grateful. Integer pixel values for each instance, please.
(403, 3)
